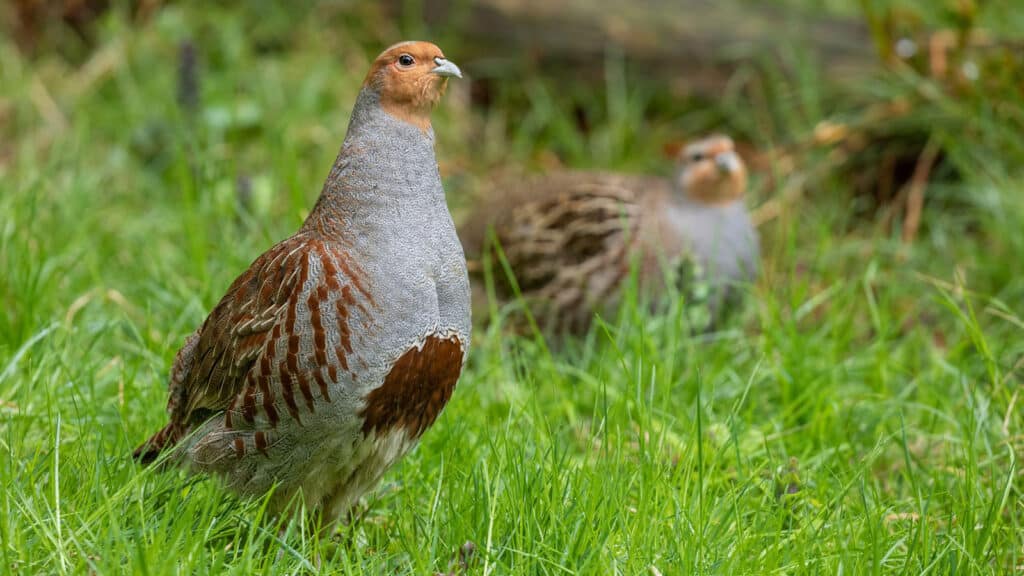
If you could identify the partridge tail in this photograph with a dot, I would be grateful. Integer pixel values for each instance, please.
(149, 450)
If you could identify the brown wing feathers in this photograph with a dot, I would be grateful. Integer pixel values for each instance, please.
(245, 360)
(567, 238)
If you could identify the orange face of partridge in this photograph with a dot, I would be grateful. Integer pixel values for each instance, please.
(712, 172)
(410, 78)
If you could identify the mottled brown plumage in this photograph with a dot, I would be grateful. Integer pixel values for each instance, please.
(571, 237)
(232, 357)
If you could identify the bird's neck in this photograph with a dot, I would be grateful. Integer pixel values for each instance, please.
(386, 168)
(684, 202)
(700, 189)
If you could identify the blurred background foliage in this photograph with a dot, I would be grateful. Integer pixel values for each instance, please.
(865, 110)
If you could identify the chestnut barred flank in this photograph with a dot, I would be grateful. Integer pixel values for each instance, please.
(416, 389)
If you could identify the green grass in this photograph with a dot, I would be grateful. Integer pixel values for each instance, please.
(862, 413)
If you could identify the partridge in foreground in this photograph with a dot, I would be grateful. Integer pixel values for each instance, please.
(331, 355)
(569, 237)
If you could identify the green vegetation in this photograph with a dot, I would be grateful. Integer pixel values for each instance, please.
(862, 414)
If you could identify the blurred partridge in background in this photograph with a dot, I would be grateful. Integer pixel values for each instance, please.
(327, 360)
(570, 237)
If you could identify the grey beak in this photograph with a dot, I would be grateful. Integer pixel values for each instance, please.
(728, 162)
(446, 68)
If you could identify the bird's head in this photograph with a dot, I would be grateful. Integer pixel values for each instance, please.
(711, 172)
(410, 78)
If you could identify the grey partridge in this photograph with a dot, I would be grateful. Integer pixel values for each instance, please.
(331, 355)
(570, 237)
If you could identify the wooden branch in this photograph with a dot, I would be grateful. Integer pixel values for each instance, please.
(915, 190)
(690, 45)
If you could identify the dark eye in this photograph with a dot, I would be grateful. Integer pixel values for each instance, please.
(406, 60)
(696, 156)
